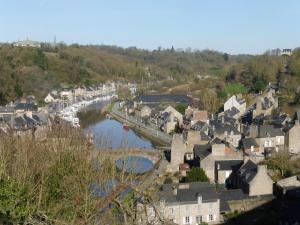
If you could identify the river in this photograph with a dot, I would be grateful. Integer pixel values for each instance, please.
(109, 133)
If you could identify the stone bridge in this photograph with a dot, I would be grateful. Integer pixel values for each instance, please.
(152, 154)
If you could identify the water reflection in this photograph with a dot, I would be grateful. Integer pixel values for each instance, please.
(134, 164)
(109, 133)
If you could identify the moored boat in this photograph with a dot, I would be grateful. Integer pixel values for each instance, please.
(125, 126)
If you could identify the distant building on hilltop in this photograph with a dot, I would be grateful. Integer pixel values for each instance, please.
(27, 43)
(286, 51)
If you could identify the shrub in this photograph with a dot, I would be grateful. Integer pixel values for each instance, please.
(196, 174)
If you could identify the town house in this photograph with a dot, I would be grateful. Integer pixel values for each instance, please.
(189, 203)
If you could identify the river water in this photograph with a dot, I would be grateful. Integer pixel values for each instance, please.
(109, 133)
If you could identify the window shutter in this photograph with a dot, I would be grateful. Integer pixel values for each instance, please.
(191, 220)
(183, 220)
(215, 218)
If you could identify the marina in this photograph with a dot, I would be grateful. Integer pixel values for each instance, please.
(69, 113)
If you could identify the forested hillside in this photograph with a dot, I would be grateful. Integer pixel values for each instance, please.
(26, 71)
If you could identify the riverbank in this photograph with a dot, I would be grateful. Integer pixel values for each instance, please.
(156, 136)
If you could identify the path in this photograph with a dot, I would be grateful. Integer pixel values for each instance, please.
(132, 121)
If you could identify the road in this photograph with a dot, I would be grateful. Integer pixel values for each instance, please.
(152, 131)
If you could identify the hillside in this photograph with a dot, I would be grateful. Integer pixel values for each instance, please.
(36, 71)
(25, 71)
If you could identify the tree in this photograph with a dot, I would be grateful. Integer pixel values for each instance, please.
(196, 174)
(297, 98)
(209, 101)
(124, 93)
(281, 162)
(225, 56)
(259, 84)
(40, 59)
(181, 108)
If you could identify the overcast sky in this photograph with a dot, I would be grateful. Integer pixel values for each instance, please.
(233, 26)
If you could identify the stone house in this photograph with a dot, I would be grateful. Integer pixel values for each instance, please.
(217, 150)
(288, 188)
(253, 179)
(189, 203)
(269, 138)
(236, 102)
(251, 148)
(173, 118)
(182, 148)
(293, 138)
(224, 169)
(266, 104)
(226, 132)
(199, 116)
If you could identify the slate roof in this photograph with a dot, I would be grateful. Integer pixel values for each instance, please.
(26, 106)
(199, 126)
(232, 112)
(248, 171)
(266, 103)
(248, 142)
(188, 194)
(230, 195)
(202, 151)
(219, 128)
(269, 131)
(29, 121)
(217, 141)
(233, 165)
(241, 100)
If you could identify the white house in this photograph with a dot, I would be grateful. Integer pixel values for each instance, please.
(132, 87)
(235, 102)
(49, 98)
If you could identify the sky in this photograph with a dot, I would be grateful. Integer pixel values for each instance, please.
(233, 26)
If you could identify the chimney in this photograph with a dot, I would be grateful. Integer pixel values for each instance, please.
(199, 198)
(218, 167)
(174, 190)
(261, 168)
(223, 119)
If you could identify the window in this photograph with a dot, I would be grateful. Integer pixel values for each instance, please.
(187, 220)
(268, 143)
(211, 217)
(227, 174)
(278, 140)
(252, 148)
(199, 219)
